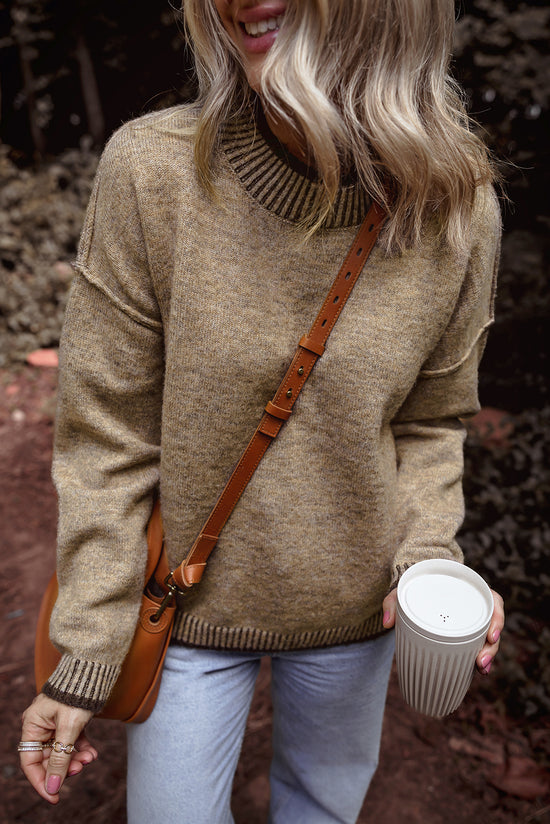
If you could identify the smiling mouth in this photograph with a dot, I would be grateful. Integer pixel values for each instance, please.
(261, 27)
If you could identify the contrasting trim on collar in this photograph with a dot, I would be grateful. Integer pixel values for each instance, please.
(280, 182)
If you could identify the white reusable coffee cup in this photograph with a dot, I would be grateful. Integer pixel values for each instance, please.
(444, 610)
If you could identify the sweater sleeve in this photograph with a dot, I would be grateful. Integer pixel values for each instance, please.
(428, 430)
(107, 440)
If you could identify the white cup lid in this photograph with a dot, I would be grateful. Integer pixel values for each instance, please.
(445, 600)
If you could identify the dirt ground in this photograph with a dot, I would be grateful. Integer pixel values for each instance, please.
(478, 764)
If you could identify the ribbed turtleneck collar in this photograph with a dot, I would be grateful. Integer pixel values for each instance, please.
(279, 181)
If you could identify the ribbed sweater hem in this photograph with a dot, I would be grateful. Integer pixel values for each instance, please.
(192, 631)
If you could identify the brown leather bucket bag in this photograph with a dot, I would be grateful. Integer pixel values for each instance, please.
(136, 689)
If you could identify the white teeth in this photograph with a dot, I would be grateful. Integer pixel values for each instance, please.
(263, 26)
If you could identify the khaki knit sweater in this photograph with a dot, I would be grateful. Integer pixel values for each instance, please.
(183, 316)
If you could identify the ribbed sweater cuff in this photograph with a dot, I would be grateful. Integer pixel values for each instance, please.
(83, 684)
(396, 575)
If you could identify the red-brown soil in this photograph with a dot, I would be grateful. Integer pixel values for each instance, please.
(478, 764)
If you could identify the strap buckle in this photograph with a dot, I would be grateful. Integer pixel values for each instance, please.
(173, 590)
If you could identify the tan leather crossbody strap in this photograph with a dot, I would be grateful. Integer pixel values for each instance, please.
(278, 410)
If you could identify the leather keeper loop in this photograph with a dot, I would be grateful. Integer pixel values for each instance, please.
(278, 411)
(186, 575)
(193, 573)
(311, 345)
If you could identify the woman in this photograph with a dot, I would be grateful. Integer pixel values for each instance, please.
(213, 233)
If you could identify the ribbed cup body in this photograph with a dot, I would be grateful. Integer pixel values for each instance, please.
(434, 677)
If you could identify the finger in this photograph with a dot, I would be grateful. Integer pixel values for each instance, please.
(75, 768)
(83, 755)
(34, 766)
(389, 607)
(57, 765)
(36, 728)
(78, 761)
(484, 660)
(85, 749)
(497, 620)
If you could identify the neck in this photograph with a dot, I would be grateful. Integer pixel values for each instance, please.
(289, 137)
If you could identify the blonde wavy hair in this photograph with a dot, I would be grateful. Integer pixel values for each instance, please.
(366, 84)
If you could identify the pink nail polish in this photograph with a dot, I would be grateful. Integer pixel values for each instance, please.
(386, 618)
(486, 662)
(496, 636)
(53, 785)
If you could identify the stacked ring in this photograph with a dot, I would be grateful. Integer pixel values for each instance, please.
(31, 746)
(38, 746)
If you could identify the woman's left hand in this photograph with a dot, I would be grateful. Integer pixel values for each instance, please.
(485, 658)
(46, 767)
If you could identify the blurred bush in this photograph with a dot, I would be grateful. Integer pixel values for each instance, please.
(506, 538)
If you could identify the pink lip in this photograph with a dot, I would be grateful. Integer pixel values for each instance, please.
(258, 45)
(254, 14)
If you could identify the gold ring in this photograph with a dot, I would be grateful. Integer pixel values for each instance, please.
(57, 746)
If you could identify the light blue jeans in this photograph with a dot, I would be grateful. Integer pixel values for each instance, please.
(328, 706)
